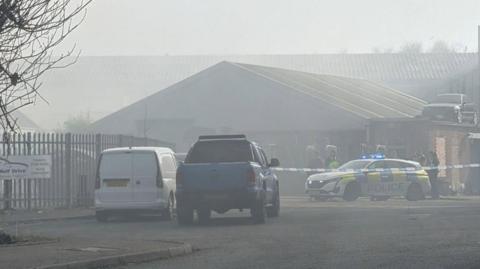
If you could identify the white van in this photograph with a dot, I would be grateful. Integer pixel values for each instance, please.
(134, 181)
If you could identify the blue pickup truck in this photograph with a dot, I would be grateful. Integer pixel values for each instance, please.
(226, 172)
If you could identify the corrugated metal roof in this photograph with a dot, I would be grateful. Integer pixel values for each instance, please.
(361, 97)
(113, 78)
(204, 95)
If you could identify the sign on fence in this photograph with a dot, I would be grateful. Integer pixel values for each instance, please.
(33, 166)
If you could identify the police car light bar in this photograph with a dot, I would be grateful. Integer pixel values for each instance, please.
(376, 156)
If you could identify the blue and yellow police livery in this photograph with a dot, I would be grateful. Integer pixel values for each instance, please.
(375, 177)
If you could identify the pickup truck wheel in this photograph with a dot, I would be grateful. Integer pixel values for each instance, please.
(184, 215)
(101, 216)
(204, 215)
(258, 212)
(274, 209)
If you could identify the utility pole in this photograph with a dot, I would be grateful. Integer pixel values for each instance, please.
(478, 66)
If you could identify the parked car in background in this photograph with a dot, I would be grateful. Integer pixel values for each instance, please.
(226, 172)
(135, 180)
(452, 107)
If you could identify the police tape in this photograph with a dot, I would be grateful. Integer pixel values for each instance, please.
(365, 170)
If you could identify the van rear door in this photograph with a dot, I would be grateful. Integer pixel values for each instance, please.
(145, 172)
(115, 172)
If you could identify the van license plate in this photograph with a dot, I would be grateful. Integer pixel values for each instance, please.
(116, 183)
(216, 196)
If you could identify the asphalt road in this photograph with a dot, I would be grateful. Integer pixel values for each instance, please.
(336, 234)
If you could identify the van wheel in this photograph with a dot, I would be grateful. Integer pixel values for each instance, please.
(101, 216)
(169, 212)
(258, 211)
(274, 210)
(352, 192)
(414, 192)
(204, 215)
(184, 215)
(459, 117)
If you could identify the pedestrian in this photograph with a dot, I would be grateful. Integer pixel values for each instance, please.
(432, 172)
(421, 159)
(331, 161)
(314, 160)
(315, 163)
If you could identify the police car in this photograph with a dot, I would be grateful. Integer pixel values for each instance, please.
(372, 176)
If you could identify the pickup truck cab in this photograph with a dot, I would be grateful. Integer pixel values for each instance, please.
(226, 172)
(453, 107)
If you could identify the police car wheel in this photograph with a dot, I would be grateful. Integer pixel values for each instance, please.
(352, 192)
(415, 192)
(204, 215)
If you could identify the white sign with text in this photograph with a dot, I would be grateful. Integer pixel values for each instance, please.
(33, 166)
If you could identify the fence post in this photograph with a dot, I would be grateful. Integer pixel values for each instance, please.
(29, 180)
(98, 145)
(7, 194)
(120, 141)
(68, 169)
(7, 184)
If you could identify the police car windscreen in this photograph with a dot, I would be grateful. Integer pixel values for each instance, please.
(357, 164)
(448, 98)
(220, 151)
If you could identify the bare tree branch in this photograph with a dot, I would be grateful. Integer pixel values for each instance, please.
(29, 32)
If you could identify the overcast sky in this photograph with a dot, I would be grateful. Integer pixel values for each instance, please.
(179, 27)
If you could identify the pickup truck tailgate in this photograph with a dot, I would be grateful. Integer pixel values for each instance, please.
(211, 177)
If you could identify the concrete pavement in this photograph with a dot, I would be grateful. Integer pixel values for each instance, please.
(84, 253)
(77, 249)
(22, 216)
(363, 234)
(336, 234)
